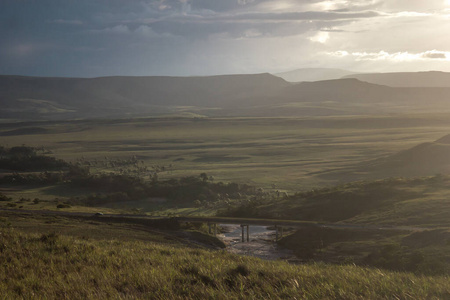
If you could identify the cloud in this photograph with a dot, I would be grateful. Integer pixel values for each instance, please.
(118, 29)
(67, 22)
(282, 16)
(321, 37)
(436, 55)
(395, 57)
(219, 36)
(411, 14)
(139, 31)
(413, 5)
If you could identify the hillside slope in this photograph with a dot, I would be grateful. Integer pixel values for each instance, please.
(418, 202)
(52, 266)
(406, 79)
(423, 159)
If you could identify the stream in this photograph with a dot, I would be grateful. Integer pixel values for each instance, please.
(261, 242)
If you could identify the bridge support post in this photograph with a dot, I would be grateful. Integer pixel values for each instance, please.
(248, 233)
(276, 233)
(209, 228)
(243, 232)
(215, 229)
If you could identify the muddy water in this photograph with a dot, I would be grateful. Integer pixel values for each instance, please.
(261, 242)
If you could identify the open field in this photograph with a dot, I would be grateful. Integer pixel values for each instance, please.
(281, 153)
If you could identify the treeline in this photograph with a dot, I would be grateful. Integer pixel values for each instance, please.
(192, 190)
(116, 185)
(23, 158)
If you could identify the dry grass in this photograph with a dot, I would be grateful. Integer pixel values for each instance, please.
(59, 267)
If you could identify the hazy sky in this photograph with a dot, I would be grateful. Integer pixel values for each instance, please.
(88, 38)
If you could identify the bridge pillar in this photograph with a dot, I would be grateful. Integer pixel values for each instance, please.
(210, 230)
(276, 233)
(248, 233)
(243, 231)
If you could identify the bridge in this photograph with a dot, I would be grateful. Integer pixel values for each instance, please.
(245, 224)
(279, 224)
(213, 221)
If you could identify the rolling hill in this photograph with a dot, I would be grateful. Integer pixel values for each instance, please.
(424, 159)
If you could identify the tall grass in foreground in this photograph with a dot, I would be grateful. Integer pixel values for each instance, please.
(52, 266)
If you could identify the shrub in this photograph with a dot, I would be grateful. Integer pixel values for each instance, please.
(63, 206)
(4, 198)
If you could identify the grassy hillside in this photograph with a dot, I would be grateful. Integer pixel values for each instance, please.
(421, 252)
(53, 266)
(394, 201)
(426, 158)
(418, 160)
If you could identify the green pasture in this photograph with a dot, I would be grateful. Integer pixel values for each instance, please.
(274, 153)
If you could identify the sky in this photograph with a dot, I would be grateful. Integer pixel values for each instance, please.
(91, 38)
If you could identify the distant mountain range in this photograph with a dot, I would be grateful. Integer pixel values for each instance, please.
(24, 97)
(31, 98)
(313, 74)
(406, 79)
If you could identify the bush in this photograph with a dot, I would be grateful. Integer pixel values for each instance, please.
(63, 206)
(4, 197)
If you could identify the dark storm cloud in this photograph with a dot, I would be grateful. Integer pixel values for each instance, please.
(141, 37)
(434, 55)
(201, 24)
(291, 16)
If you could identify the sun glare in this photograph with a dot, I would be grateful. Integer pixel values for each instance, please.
(321, 37)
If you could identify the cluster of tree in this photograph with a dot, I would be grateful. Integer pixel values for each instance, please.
(117, 186)
(4, 197)
(41, 178)
(23, 158)
(124, 166)
(112, 187)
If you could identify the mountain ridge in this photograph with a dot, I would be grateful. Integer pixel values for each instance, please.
(313, 74)
(241, 95)
(406, 79)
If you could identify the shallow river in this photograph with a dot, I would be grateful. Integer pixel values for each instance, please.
(261, 243)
